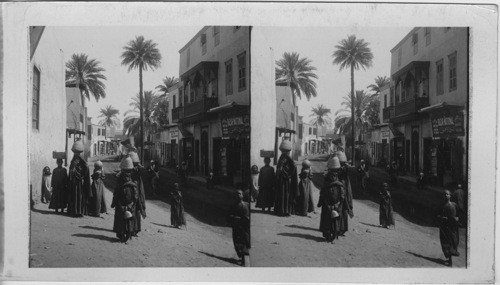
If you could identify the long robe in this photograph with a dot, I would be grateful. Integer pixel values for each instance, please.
(177, 218)
(386, 216)
(138, 175)
(254, 186)
(448, 229)
(78, 187)
(59, 199)
(97, 204)
(46, 188)
(330, 198)
(347, 205)
(304, 203)
(266, 188)
(286, 186)
(125, 198)
(239, 218)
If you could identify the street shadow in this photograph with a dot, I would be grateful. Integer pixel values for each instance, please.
(96, 228)
(304, 236)
(319, 158)
(166, 226)
(302, 227)
(371, 225)
(436, 260)
(110, 159)
(258, 211)
(99, 237)
(46, 212)
(226, 259)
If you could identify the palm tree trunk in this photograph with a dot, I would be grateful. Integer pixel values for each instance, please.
(352, 114)
(140, 115)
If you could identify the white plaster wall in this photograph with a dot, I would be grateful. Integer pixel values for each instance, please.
(49, 59)
(263, 102)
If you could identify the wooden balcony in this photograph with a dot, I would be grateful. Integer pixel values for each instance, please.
(177, 114)
(411, 106)
(388, 113)
(200, 106)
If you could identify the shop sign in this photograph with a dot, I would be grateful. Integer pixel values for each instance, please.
(174, 133)
(235, 125)
(447, 124)
(385, 133)
(266, 153)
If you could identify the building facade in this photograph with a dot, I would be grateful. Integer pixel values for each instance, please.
(48, 104)
(213, 115)
(77, 122)
(428, 108)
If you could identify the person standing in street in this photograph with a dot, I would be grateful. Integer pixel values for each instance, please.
(239, 218)
(458, 197)
(386, 216)
(138, 179)
(46, 185)
(177, 219)
(347, 204)
(254, 183)
(330, 201)
(286, 181)
(364, 175)
(59, 199)
(97, 204)
(266, 186)
(304, 203)
(393, 173)
(79, 183)
(448, 228)
(125, 199)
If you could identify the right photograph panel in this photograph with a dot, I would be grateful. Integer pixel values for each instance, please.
(359, 146)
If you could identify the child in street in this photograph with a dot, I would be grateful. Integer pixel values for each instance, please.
(97, 201)
(59, 184)
(177, 218)
(386, 216)
(254, 183)
(46, 185)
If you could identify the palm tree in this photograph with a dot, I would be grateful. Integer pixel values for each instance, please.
(343, 122)
(141, 54)
(109, 115)
(298, 73)
(167, 83)
(131, 123)
(353, 53)
(320, 116)
(379, 83)
(87, 75)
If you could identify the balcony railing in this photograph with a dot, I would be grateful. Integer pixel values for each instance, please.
(388, 113)
(411, 106)
(200, 106)
(177, 113)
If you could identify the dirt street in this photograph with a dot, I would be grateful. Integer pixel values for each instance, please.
(58, 240)
(297, 241)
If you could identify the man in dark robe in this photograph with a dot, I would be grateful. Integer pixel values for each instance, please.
(266, 186)
(97, 203)
(347, 204)
(448, 228)
(330, 201)
(239, 218)
(286, 181)
(138, 175)
(304, 203)
(79, 183)
(177, 218)
(386, 216)
(59, 182)
(125, 199)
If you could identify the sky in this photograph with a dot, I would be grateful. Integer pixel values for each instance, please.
(106, 45)
(318, 44)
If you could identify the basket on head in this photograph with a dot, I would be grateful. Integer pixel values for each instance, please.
(333, 163)
(306, 163)
(341, 156)
(286, 145)
(134, 156)
(98, 164)
(77, 146)
(127, 164)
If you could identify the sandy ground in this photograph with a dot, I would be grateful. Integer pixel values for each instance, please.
(297, 241)
(58, 240)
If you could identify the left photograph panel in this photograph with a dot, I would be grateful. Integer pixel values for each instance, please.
(139, 146)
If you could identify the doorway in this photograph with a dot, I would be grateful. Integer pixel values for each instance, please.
(204, 151)
(415, 150)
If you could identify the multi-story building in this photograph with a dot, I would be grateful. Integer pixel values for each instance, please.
(378, 147)
(167, 145)
(48, 104)
(286, 121)
(100, 139)
(76, 120)
(214, 103)
(429, 67)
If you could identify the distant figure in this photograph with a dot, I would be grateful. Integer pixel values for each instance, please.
(239, 219)
(304, 203)
(125, 199)
(393, 173)
(79, 183)
(46, 185)
(364, 175)
(182, 172)
(421, 181)
(386, 216)
(347, 204)
(210, 183)
(177, 218)
(458, 197)
(97, 202)
(286, 181)
(266, 186)
(138, 174)
(448, 228)
(154, 175)
(254, 183)
(59, 183)
(330, 201)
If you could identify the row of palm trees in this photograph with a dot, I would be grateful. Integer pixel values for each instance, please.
(350, 53)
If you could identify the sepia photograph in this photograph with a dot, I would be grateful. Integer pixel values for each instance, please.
(248, 142)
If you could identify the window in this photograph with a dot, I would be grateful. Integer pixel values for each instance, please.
(415, 43)
(292, 117)
(89, 132)
(400, 54)
(173, 101)
(216, 35)
(452, 60)
(439, 77)
(392, 96)
(427, 36)
(104, 132)
(300, 131)
(203, 39)
(385, 101)
(98, 132)
(188, 57)
(310, 131)
(35, 110)
(315, 131)
(241, 71)
(229, 77)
